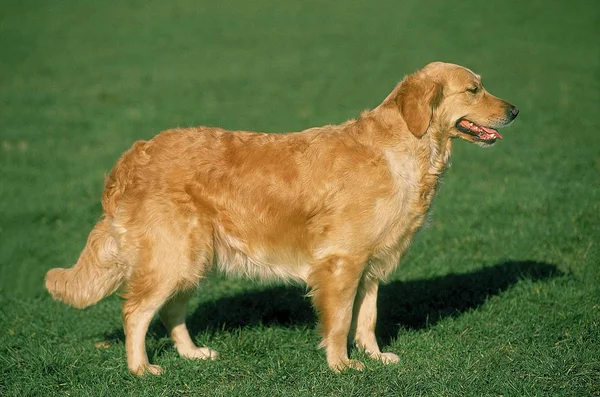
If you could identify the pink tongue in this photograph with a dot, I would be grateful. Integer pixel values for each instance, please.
(465, 124)
(491, 131)
(478, 128)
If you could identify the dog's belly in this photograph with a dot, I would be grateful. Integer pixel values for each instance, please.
(235, 257)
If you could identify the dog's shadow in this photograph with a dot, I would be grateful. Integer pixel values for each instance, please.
(415, 304)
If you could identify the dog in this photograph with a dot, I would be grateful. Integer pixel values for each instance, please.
(334, 207)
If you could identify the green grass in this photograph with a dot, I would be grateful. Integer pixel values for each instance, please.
(498, 295)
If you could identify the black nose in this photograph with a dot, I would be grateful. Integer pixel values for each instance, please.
(513, 111)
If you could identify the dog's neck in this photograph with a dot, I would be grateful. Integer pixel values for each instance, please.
(387, 128)
(391, 130)
(439, 150)
(440, 147)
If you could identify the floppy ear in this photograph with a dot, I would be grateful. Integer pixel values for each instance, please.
(419, 95)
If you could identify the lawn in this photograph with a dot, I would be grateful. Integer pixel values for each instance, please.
(498, 295)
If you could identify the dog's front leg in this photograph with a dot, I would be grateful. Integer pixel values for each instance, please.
(334, 282)
(364, 320)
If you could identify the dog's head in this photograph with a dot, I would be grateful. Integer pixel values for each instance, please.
(451, 99)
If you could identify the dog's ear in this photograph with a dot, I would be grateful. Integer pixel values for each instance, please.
(419, 95)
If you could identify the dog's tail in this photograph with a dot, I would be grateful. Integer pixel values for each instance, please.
(97, 273)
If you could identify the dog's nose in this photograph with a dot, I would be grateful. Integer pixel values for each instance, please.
(514, 111)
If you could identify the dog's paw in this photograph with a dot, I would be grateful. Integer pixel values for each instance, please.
(347, 364)
(387, 358)
(200, 353)
(147, 369)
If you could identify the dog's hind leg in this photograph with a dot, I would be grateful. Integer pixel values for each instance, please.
(167, 269)
(173, 317)
(145, 295)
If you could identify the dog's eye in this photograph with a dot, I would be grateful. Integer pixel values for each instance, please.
(473, 90)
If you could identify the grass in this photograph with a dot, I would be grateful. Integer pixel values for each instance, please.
(499, 295)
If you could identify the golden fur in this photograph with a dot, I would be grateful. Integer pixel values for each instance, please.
(334, 207)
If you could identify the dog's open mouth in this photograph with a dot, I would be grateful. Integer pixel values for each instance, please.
(484, 134)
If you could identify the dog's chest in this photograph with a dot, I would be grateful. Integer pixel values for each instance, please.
(412, 188)
(415, 183)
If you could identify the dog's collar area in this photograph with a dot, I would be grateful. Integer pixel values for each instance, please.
(480, 132)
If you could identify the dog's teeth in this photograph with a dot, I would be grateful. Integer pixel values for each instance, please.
(470, 124)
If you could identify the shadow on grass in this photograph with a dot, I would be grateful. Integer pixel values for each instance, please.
(415, 304)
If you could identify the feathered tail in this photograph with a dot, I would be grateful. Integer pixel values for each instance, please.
(98, 272)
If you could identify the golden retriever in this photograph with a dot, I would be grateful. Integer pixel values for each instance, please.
(334, 207)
